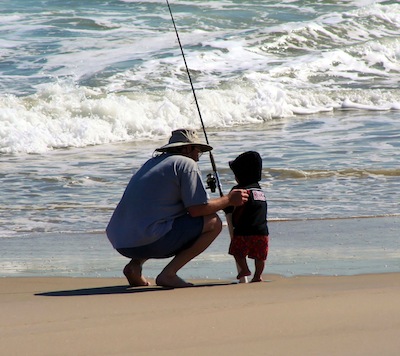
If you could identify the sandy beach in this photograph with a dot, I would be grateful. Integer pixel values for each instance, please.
(307, 315)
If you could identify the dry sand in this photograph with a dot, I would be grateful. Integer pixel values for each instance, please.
(348, 315)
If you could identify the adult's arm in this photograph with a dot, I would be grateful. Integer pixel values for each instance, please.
(235, 197)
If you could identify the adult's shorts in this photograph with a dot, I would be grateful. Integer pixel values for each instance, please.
(185, 231)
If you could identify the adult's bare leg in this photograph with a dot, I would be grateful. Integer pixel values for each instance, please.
(168, 276)
(133, 273)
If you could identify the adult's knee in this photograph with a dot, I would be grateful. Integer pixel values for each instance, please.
(213, 223)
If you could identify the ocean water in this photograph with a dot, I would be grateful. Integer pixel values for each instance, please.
(88, 90)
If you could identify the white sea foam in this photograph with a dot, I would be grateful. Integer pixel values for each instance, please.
(64, 115)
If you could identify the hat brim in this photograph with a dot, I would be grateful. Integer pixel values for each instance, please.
(202, 147)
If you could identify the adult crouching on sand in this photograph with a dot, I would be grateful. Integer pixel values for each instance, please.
(165, 211)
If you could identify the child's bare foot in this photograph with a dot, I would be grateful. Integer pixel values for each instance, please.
(171, 281)
(133, 273)
(256, 279)
(243, 273)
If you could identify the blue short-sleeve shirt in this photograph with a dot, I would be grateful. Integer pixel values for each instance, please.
(161, 190)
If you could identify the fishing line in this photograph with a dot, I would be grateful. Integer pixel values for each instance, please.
(214, 167)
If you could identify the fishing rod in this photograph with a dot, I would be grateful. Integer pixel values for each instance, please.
(214, 167)
(210, 179)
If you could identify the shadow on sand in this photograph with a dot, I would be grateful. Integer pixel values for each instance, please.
(122, 290)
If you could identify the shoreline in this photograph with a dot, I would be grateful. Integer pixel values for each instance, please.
(347, 315)
(278, 220)
(305, 247)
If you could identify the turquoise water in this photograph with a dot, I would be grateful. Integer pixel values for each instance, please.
(89, 90)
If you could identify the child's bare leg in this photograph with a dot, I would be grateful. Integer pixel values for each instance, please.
(259, 266)
(133, 273)
(243, 267)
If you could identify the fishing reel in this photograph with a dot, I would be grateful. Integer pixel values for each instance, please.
(211, 182)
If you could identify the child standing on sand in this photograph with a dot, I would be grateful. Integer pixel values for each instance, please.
(249, 221)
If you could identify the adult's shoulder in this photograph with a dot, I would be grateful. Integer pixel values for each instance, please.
(184, 164)
(183, 160)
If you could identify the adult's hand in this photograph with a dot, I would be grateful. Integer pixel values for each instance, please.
(235, 198)
(238, 197)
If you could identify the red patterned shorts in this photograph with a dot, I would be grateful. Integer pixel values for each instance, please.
(253, 246)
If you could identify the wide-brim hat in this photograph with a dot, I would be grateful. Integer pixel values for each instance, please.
(184, 137)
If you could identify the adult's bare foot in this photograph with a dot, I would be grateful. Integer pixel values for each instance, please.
(133, 273)
(172, 281)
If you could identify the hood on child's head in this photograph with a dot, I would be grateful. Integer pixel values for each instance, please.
(247, 167)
